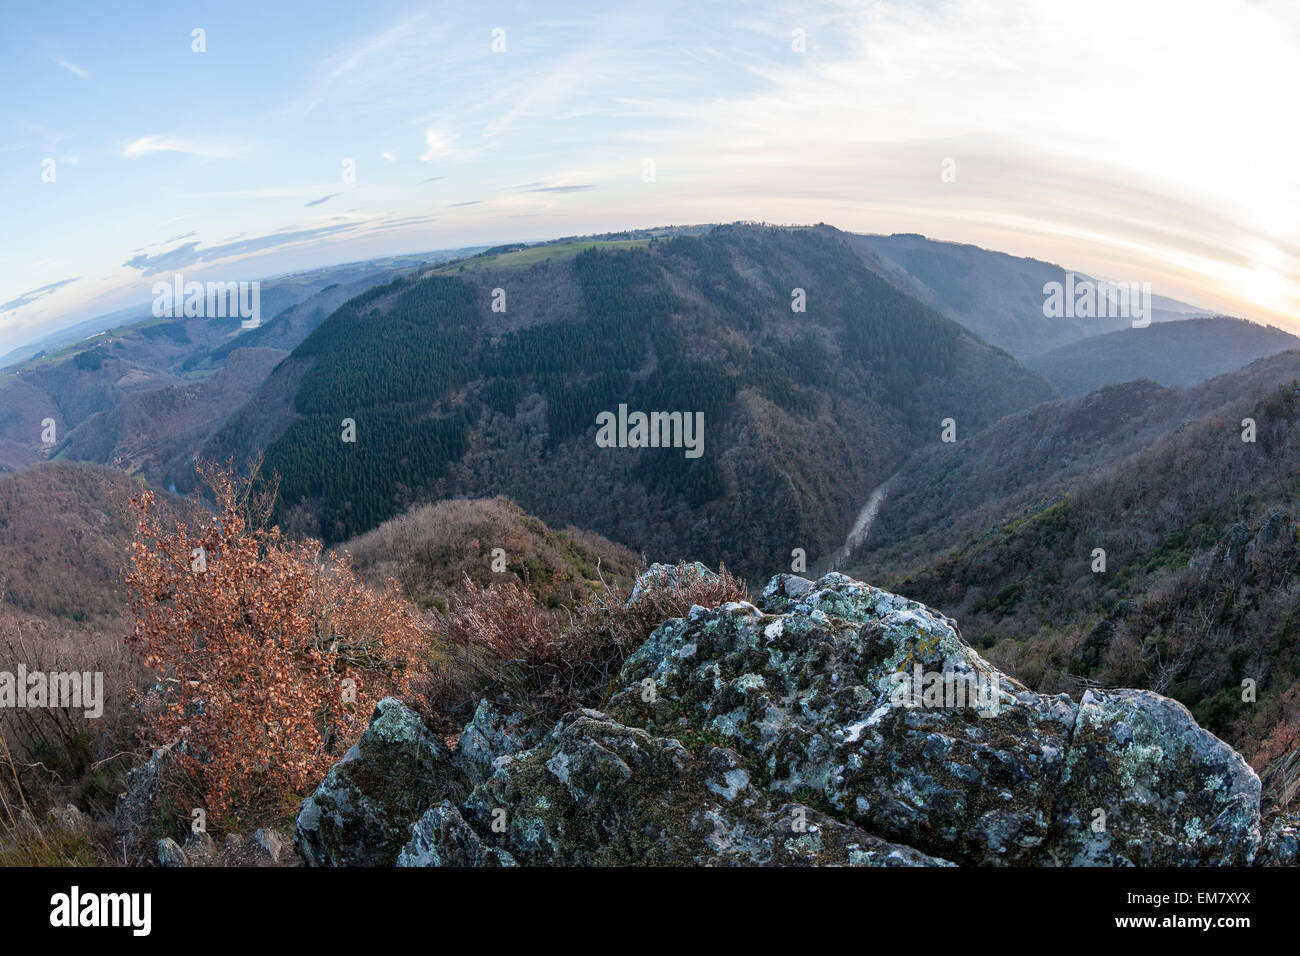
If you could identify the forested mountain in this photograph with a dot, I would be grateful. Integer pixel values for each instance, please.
(1198, 529)
(64, 531)
(805, 410)
(1182, 353)
(157, 432)
(997, 296)
(124, 381)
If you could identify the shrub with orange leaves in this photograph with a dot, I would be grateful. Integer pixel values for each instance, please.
(270, 656)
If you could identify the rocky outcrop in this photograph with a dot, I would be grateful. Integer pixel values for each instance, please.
(362, 812)
(833, 723)
(1162, 790)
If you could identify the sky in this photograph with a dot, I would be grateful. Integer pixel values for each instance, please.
(1133, 140)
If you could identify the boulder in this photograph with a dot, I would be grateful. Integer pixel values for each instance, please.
(833, 723)
(442, 838)
(170, 853)
(659, 576)
(271, 842)
(199, 847)
(139, 816)
(492, 734)
(1144, 785)
(596, 792)
(361, 813)
(1280, 844)
(828, 696)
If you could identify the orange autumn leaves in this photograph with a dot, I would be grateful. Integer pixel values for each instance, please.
(270, 656)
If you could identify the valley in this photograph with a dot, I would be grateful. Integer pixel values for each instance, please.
(536, 414)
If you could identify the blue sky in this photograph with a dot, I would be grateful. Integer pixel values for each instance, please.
(1143, 141)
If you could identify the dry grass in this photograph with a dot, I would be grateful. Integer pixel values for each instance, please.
(64, 838)
(60, 755)
(501, 642)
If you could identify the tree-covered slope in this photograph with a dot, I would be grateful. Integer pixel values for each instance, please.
(804, 410)
(1128, 537)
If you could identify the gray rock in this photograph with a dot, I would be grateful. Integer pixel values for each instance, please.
(270, 841)
(1171, 793)
(1280, 845)
(442, 838)
(361, 814)
(70, 818)
(138, 816)
(666, 576)
(491, 735)
(835, 724)
(813, 692)
(170, 853)
(783, 590)
(597, 792)
(200, 847)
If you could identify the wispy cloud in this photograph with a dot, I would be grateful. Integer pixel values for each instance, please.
(72, 68)
(369, 49)
(168, 144)
(192, 253)
(27, 298)
(323, 199)
(437, 144)
(586, 187)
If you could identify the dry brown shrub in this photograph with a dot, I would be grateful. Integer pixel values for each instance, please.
(270, 657)
(430, 549)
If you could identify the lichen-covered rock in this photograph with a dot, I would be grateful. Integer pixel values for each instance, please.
(200, 847)
(833, 724)
(171, 854)
(442, 838)
(596, 792)
(492, 734)
(1280, 844)
(1145, 786)
(361, 813)
(659, 576)
(139, 816)
(822, 696)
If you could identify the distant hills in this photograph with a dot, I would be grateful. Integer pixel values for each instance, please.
(103, 383)
(482, 375)
(997, 296)
(1184, 353)
(278, 293)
